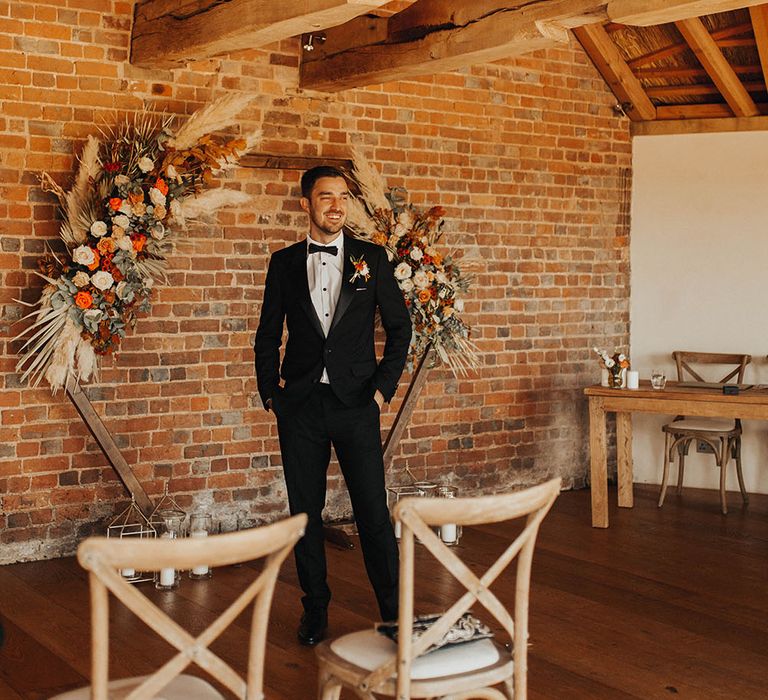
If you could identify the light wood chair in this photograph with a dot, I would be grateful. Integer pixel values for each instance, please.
(370, 664)
(723, 436)
(103, 558)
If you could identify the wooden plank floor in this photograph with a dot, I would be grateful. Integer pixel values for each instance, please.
(669, 602)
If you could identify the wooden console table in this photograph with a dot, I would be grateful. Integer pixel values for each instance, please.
(751, 403)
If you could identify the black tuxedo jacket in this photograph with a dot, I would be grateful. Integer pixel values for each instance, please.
(348, 352)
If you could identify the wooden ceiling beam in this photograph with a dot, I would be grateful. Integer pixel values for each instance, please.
(719, 35)
(759, 17)
(439, 35)
(167, 33)
(644, 13)
(698, 126)
(720, 71)
(664, 72)
(615, 71)
(665, 92)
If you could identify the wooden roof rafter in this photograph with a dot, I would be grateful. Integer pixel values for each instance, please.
(692, 77)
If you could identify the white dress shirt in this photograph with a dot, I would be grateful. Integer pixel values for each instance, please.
(324, 272)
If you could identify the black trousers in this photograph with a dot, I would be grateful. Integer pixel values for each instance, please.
(306, 435)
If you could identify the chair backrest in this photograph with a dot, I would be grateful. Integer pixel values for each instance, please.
(416, 515)
(104, 558)
(690, 366)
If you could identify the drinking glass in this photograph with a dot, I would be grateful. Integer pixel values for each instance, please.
(658, 379)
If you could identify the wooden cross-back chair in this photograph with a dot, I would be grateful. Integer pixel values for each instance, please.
(371, 665)
(722, 435)
(104, 558)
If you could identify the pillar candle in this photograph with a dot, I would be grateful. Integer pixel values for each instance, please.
(168, 575)
(448, 533)
(200, 569)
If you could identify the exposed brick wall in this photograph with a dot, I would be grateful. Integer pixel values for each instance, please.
(526, 155)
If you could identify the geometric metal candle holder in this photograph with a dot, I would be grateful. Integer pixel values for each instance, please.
(131, 522)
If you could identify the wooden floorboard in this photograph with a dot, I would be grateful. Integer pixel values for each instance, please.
(669, 602)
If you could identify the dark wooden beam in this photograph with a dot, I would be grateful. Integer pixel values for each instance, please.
(443, 35)
(108, 446)
(167, 33)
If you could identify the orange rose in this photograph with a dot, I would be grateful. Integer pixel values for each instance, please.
(106, 246)
(84, 300)
(115, 203)
(138, 242)
(424, 296)
(95, 262)
(161, 185)
(437, 258)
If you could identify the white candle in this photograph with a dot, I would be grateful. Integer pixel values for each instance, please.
(200, 569)
(633, 379)
(448, 533)
(167, 576)
(398, 529)
(128, 572)
(603, 377)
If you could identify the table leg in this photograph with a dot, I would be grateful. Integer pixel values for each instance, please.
(598, 462)
(624, 458)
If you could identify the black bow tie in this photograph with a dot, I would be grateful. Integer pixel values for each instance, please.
(330, 249)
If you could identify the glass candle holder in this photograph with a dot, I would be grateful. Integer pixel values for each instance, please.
(450, 533)
(394, 494)
(167, 578)
(200, 526)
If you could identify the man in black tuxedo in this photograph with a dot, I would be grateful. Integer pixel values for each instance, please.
(326, 290)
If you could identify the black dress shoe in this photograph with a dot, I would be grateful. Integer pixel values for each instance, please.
(314, 624)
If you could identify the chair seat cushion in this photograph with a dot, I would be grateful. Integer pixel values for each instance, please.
(368, 649)
(182, 687)
(714, 425)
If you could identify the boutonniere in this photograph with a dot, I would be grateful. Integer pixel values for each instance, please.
(361, 269)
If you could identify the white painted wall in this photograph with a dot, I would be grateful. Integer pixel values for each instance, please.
(699, 261)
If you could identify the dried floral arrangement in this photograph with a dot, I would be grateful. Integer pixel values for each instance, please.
(431, 282)
(134, 187)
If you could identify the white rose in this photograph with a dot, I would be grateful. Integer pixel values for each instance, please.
(83, 255)
(158, 231)
(139, 209)
(122, 179)
(122, 220)
(146, 164)
(81, 279)
(403, 271)
(102, 280)
(124, 243)
(160, 212)
(148, 282)
(170, 171)
(406, 285)
(117, 232)
(125, 207)
(420, 279)
(459, 305)
(98, 229)
(156, 196)
(404, 217)
(416, 254)
(400, 230)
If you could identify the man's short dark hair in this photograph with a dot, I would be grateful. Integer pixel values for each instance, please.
(309, 178)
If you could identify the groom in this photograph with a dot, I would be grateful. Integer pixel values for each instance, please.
(326, 291)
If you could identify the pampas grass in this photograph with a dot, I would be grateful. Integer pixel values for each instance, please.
(215, 117)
